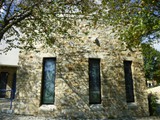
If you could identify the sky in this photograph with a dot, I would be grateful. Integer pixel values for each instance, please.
(12, 9)
(157, 46)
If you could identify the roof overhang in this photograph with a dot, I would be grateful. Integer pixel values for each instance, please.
(8, 65)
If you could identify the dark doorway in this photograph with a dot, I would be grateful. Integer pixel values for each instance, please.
(3, 83)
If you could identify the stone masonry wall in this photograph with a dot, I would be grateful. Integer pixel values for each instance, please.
(72, 79)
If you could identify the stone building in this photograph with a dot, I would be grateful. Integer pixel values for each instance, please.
(93, 77)
(8, 68)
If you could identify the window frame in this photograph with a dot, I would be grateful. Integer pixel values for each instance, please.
(129, 83)
(43, 80)
(99, 76)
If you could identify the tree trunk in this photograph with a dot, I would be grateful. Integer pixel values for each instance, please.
(1, 36)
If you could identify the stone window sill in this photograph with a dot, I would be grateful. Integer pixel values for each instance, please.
(132, 105)
(47, 108)
(96, 106)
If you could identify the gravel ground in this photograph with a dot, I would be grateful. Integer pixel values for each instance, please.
(4, 116)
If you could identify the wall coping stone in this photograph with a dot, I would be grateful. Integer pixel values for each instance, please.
(132, 105)
(47, 108)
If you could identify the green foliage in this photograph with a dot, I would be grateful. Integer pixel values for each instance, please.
(153, 104)
(151, 62)
(46, 21)
(133, 20)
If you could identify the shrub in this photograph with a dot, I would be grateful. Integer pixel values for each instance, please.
(152, 99)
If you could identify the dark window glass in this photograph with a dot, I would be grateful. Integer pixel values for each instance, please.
(14, 86)
(128, 81)
(3, 83)
(94, 81)
(48, 81)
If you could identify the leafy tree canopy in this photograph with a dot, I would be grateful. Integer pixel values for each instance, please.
(151, 62)
(132, 19)
(42, 19)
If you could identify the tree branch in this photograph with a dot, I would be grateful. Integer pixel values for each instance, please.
(14, 22)
(8, 11)
(15, 18)
(1, 3)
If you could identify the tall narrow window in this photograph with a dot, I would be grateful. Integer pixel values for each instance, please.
(94, 81)
(128, 81)
(48, 81)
